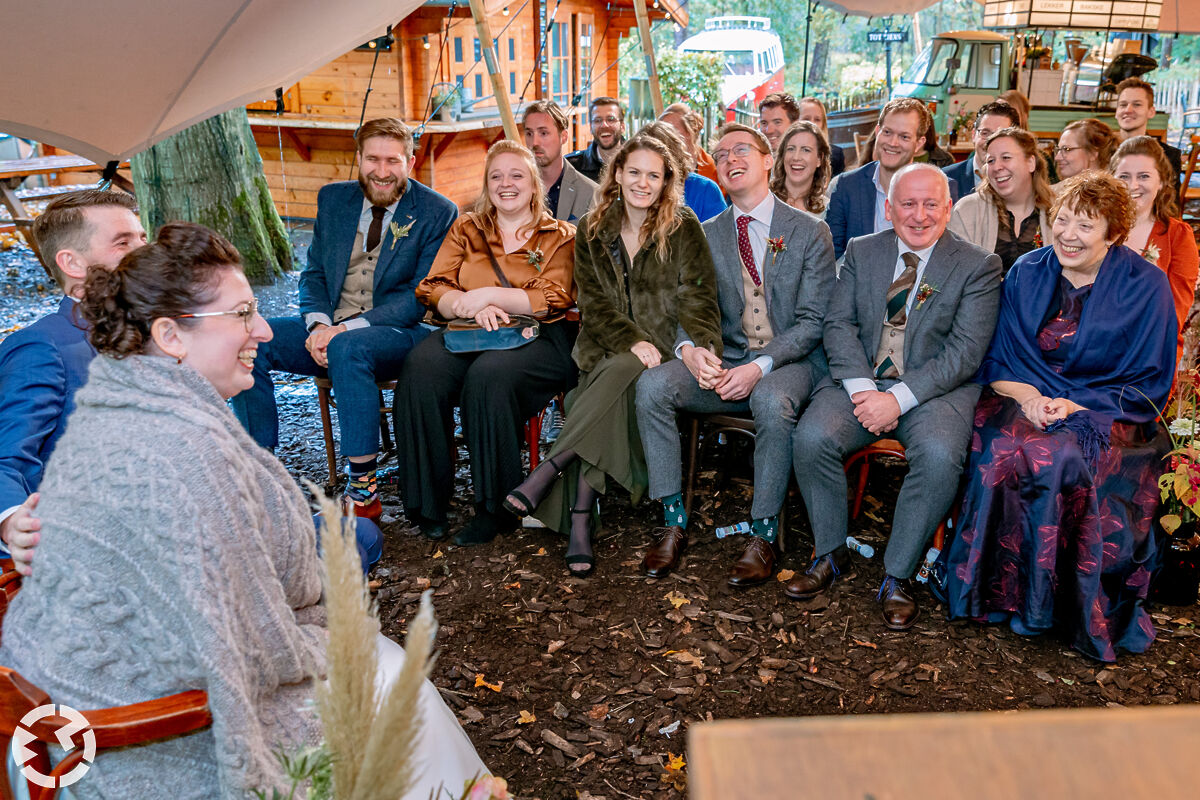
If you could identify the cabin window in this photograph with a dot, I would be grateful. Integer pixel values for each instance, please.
(739, 62)
(478, 85)
(512, 49)
(560, 64)
(586, 30)
(512, 82)
(458, 49)
(989, 65)
(478, 52)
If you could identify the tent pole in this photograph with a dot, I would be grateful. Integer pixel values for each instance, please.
(643, 21)
(807, 28)
(484, 31)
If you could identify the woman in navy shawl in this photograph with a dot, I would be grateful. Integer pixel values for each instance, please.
(1055, 530)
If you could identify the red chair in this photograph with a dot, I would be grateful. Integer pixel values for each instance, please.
(120, 726)
(862, 458)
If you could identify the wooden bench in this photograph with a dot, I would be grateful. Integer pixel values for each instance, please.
(13, 174)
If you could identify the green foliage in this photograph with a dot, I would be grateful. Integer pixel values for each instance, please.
(694, 78)
(312, 765)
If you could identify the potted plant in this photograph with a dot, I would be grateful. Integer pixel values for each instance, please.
(446, 103)
(960, 123)
(1178, 578)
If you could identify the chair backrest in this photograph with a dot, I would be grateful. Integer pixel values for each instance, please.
(1188, 170)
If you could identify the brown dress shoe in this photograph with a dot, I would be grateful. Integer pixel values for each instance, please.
(756, 565)
(663, 555)
(820, 575)
(899, 607)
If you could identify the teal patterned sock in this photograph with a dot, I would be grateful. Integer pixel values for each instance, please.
(765, 528)
(673, 513)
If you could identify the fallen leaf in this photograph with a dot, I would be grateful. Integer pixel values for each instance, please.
(676, 599)
(675, 762)
(598, 712)
(439, 553)
(513, 585)
(785, 575)
(686, 657)
(555, 646)
(526, 718)
(541, 551)
(479, 681)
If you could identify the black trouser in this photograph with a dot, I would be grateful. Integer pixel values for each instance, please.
(497, 391)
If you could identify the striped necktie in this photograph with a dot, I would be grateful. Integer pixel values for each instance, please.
(897, 311)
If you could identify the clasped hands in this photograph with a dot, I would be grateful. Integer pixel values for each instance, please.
(477, 304)
(1043, 411)
(21, 532)
(878, 412)
(731, 385)
(317, 343)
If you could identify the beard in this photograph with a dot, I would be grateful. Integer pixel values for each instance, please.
(382, 197)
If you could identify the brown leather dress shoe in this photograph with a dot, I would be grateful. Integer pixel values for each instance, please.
(663, 556)
(900, 610)
(820, 575)
(756, 565)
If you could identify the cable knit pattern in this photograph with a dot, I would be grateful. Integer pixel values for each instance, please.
(176, 554)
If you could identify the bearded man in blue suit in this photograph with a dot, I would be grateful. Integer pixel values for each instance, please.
(373, 242)
(42, 365)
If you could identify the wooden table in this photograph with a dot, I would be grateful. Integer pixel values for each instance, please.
(1095, 754)
(13, 173)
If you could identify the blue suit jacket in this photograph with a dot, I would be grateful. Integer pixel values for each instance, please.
(851, 210)
(402, 263)
(703, 196)
(41, 367)
(962, 174)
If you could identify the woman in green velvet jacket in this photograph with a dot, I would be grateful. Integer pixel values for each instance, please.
(644, 273)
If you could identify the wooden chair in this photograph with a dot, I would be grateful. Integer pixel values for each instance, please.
(325, 401)
(120, 726)
(862, 459)
(1189, 169)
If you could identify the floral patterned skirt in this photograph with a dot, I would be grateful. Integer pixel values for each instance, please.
(1048, 540)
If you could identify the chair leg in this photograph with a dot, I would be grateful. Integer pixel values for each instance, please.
(327, 430)
(939, 537)
(385, 424)
(693, 455)
(533, 438)
(861, 488)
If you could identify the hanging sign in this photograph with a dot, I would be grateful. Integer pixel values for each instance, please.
(1121, 15)
(887, 36)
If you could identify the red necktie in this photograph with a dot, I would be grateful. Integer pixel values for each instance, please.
(743, 223)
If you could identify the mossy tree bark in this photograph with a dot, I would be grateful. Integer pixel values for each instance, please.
(212, 174)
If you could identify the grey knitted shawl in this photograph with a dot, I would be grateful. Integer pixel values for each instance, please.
(176, 554)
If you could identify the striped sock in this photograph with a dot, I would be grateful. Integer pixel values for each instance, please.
(361, 487)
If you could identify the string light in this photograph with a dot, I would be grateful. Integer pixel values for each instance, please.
(425, 42)
(505, 11)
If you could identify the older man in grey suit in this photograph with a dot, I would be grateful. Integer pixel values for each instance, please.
(910, 320)
(569, 195)
(774, 276)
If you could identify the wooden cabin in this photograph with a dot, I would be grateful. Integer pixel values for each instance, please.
(434, 49)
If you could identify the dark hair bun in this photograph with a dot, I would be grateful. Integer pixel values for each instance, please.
(104, 307)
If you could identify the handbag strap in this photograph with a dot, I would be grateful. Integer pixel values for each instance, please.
(504, 282)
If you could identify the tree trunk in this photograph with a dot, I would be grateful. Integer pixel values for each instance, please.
(212, 174)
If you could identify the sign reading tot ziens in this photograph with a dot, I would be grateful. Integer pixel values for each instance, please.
(23, 736)
(887, 36)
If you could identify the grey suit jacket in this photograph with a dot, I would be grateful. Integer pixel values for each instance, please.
(797, 283)
(946, 336)
(575, 196)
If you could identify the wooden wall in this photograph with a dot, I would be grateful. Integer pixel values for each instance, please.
(324, 107)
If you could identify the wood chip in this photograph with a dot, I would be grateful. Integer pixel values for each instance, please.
(559, 743)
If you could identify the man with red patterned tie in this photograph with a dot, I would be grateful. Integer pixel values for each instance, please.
(775, 271)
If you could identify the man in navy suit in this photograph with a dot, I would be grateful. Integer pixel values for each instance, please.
(373, 242)
(42, 365)
(968, 173)
(856, 202)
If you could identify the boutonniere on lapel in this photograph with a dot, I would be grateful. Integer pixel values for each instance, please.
(924, 292)
(400, 231)
(1037, 240)
(777, 246)
(535, 259)
(1152, 254)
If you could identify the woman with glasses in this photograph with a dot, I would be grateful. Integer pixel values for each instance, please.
(1158, 234)
(176, 553)
(1084, 144)
(1007, 214)
(508, 256)
(803, 169)
(645, 274)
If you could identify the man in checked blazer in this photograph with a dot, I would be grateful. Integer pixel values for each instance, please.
(910, 320)
(775, 273)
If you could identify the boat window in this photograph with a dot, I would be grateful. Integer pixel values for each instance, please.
(930, 68)
(989, 66)
(739, 62)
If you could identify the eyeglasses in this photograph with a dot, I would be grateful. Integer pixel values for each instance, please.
(609, 120)
(1066, 151)
(739, 150)
(247, 313)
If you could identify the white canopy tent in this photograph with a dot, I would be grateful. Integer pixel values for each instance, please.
(108, 79)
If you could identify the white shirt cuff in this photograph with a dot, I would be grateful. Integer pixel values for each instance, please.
(5, 514)
(681, 345)
(356, 323)
(905, 397)
(765, 363)
(855, 385)
(314, 317)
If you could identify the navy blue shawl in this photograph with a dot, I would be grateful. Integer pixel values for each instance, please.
(1122, 362)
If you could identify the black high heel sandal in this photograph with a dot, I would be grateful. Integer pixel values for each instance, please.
(588, 559)
(516, 496)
